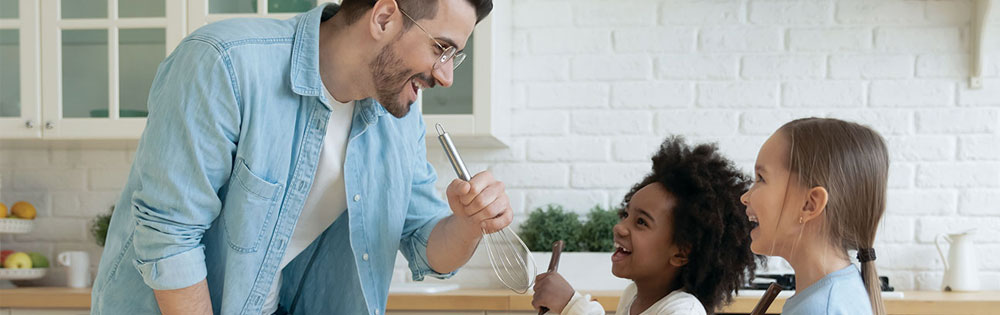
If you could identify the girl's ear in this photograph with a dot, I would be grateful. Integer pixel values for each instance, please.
(816, 199)
(680, 257)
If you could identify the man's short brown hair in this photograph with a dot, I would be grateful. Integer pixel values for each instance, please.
(417, 9)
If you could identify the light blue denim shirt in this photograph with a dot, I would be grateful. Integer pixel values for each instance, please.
(236, 122)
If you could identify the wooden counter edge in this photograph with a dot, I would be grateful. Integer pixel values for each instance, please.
(913, 302)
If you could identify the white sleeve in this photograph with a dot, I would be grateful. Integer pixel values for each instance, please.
(582, 305)
(678, 303)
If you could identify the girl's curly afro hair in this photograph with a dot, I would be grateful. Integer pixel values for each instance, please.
(709, 218)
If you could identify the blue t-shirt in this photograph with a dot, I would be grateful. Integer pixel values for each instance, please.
(840, 292)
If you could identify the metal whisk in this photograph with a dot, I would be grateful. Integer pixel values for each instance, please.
(509, 256)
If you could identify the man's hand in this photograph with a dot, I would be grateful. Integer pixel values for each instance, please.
(551, 291)
(481, 203)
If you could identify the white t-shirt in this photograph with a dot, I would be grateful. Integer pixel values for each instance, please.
(676, 303)
(327, 197)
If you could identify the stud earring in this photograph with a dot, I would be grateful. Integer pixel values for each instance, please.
(800, 220)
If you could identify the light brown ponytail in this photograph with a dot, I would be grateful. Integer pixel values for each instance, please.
(851, 161)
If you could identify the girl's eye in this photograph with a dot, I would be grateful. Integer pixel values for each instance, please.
(622, 214)
(760, 178)
(642, 222)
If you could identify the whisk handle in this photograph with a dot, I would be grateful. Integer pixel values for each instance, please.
(557, 248)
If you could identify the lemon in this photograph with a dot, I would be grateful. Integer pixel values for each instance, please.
(23, 210)
(3, 210)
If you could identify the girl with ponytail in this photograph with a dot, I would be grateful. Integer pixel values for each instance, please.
(819, 192)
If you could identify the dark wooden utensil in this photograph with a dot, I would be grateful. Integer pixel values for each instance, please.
(557, 248)
(765, 301)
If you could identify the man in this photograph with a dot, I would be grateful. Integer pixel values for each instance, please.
(281, 167)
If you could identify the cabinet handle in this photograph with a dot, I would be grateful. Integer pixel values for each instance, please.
(29, 124)
(49, 125)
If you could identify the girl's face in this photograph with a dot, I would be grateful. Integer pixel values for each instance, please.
(772, 200)
(644, 246)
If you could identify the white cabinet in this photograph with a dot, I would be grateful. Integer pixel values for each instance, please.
(82, 69)
(84, 66)
(20, 95)
(201, 12)
(476, 109)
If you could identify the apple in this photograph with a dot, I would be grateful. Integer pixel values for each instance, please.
(38, 260)
(18, 260)
(4, 254)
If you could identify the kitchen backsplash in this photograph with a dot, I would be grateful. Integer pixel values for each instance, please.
(598, 84)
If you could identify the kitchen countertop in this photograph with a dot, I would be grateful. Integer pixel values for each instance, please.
(913, 302)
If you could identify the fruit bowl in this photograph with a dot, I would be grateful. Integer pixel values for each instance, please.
(13, 226)
(22, 274)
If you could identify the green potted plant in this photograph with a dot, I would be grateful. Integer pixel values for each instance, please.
(99, 227)
(586, 259)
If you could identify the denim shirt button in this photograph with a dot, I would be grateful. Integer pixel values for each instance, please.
(376, 311)
(365, 256)
(357, 197)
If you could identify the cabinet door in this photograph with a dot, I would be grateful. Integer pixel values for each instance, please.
(475, 109)
(99, 58)
(201, 12)
(20, 105)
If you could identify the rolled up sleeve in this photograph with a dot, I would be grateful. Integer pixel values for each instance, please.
(426, 209)
(184, 157)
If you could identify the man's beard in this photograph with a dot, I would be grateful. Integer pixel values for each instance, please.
(389, 78)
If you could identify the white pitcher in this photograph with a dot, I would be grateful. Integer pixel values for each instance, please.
(961, 270)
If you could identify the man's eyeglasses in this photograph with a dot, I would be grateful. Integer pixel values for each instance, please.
(447, 53)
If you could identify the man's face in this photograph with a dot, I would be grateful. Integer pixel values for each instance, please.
(406, 64)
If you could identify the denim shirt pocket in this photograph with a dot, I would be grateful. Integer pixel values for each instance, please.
(248, 208)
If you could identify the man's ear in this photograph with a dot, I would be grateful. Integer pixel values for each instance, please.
(680, 258)
(384, 20)
(816, 199)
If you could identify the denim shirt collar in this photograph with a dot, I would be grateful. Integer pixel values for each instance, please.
(305, 77)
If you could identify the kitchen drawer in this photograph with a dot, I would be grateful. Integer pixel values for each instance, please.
(50, 311)
(434, 312)
(524, 313)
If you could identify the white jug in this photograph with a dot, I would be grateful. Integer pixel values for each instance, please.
(961, 270)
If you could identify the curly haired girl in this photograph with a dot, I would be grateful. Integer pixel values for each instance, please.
(683, 239)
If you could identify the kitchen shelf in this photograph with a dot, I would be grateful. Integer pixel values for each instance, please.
(16, 226)
(19, 226)
(22, 274)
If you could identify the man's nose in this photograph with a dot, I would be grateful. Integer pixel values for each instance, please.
(444, 74)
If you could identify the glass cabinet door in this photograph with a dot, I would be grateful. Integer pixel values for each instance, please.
(457, 99)
(202, 12)
(102, 56)
(19, 74)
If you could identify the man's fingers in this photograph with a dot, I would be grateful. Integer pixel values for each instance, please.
(456, 189)
(479, 182)
(496, 224)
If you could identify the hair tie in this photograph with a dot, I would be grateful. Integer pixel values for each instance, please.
(866, 255)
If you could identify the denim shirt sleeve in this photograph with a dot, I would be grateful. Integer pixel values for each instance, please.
(426, 209)
(185, 157)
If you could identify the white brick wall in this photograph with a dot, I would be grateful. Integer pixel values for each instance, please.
(599, 84)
